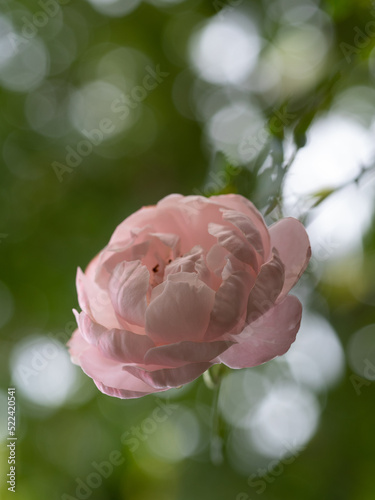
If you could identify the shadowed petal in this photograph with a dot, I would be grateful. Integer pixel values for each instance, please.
(248, 228)
(267, 288)
(230, 306)
(124, 346)
(168, 377)
(270, 336)
(181, 311)
(233, 240)
(123, 393)
(185, 352)
(243, 205)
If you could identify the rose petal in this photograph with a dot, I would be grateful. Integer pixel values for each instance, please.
(243, 205)
(77, 345)
(186, 263)
(108, 373)
(168, 377)
(124, 346)
(267, 288)
(181, 311)
(113, 256)
(270, 336)
(90, 330)
(124, 232)
(162, 218)
(195, 213)
(96, 366)
(95, 302)
(247, 227)
(289, 237)
(215, 259)
(230, 307)
(206, 275)
(122, 393)
(91, 269)
(233, 240)
(185, 352)
(128, 290)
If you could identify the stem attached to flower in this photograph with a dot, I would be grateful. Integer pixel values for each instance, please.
(213, 378)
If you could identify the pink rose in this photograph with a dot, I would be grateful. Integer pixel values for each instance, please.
(183, 285)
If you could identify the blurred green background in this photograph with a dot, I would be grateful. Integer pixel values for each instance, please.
(109, 105)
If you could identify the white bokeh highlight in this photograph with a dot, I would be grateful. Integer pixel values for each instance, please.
(94, 102)
(26, 67)
(225, 49)
(238, 130)
(316, 358)
(240, 392)
(285, 420)
(298, 53)
(42, 371)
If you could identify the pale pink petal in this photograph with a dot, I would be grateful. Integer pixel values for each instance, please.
(270, 336)
(122, 393)
(169, 240)
(181, 311)
(124, 232)
(188, 217)
(233, 240)
(77, 345)
(159, 219)
(182, 353)
(124, 346)
(194, 213)
(247, 227)
(186, 263)
(152, 249)
(157, 290)
(215, 259)
(289, 237)
(94, 365)
(267, 288)
(91, 269)
(112, 257)
(128, 290)
(95, 301)
(168, 377)
(241, 204)
(108, 373)
(162, 249)
(90, 330)
(230, 306)
(206, 275)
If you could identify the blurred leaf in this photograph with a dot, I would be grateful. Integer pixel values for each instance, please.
(321, 195)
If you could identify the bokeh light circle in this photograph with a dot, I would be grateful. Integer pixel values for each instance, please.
(42, 371)
(285, 420)
(225, 50)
